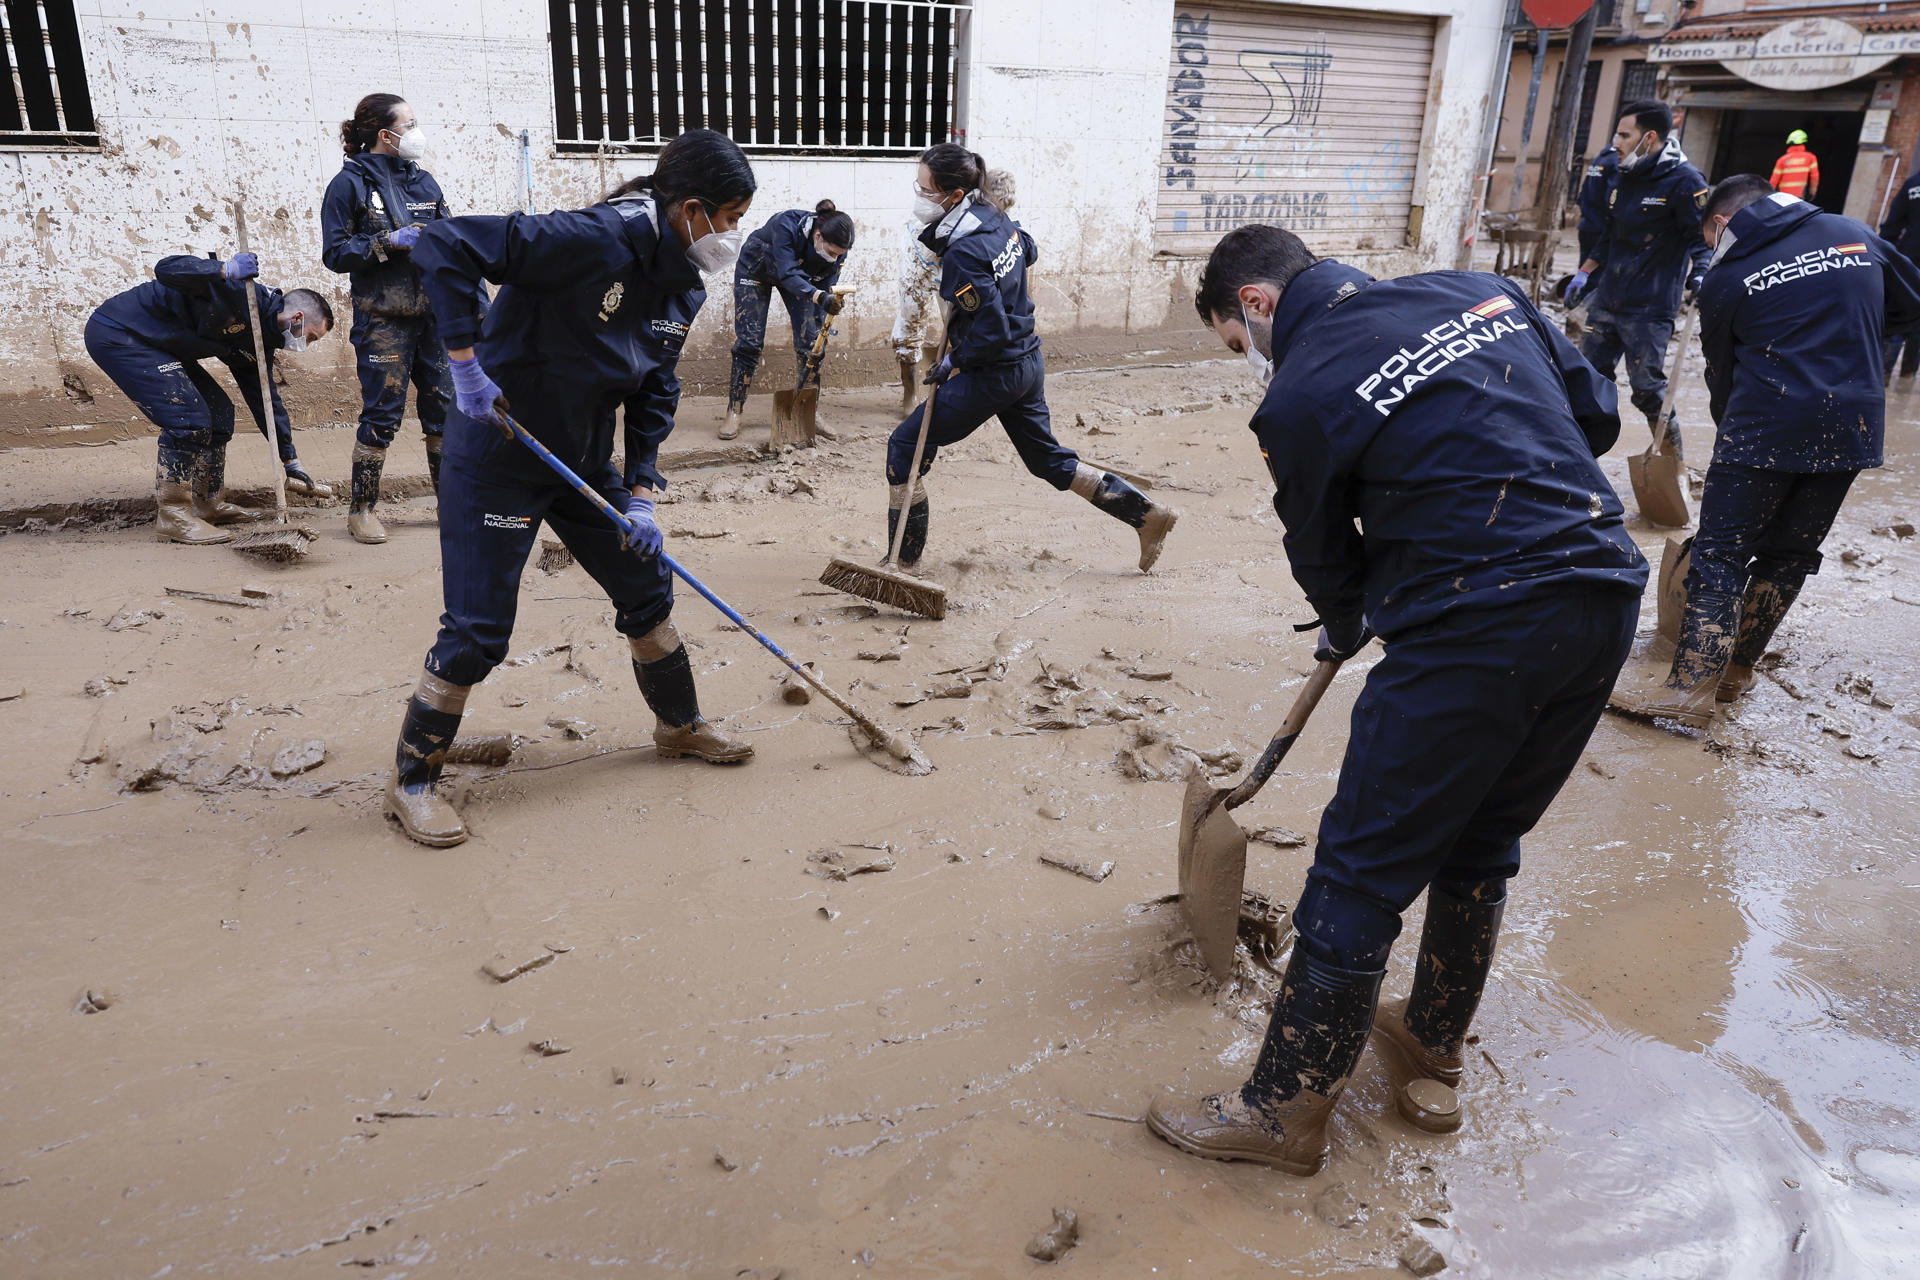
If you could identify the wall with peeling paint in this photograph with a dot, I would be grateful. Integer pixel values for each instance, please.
(202, 103)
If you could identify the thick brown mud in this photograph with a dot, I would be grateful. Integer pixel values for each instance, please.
(807, 1016)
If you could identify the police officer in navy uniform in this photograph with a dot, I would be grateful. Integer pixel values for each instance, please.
(1792, 315)
(993, 367)
(369, 222)
(151, 339)
(592, 312)
(1596, 192)
(1433, 445)
(799, 254)
(1902, 230)
(1649, 255)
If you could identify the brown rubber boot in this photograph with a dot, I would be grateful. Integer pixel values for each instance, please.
(1223, 1126)
(209, 482)
(909, 380)
(1765, 606)
(413, 798)
(666, 682)
(730, 429)
(362, 523)
(1154, 528)
(1689, 695)
(1128, 505)
(174, 519)
(701, 740)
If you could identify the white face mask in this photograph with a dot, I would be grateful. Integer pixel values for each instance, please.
(412, 145)
(295, 333)
(1262, 366)
(1639, 153)
(926, 210)
(717, 250)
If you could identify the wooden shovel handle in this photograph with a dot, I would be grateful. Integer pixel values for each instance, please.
(269, 423)
(1303, 704)
(919, 451)
(1659, 446)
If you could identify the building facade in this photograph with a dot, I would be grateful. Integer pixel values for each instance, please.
(1138, 131)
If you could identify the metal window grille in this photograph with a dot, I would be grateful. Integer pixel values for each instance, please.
(873, 78)
(1638, 80)
(43, 95)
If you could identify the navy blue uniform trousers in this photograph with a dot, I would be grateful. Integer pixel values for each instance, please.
(752, 297)
(1015, 393)
(494, 495)
(1643, 340)
(389, 353)
(176, 394)
(1763, 524)
(1465, 732)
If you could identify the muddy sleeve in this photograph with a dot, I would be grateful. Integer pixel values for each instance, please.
(970, 287)
(783, 250)
(531, 251)
(342, 247)
(1313, 497)
(188, 274)
(1902, 284)
(649, 423)
(1716, 341)
(1595, 400)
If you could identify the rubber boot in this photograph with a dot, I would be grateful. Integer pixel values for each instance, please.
(1127, 504)
(413, 798)
(909, 379)
(667, 685)
(174, 520)
(362, 523)
(914, 544)
(1766, 604)
(730, 429)
(1706, 642)
(209, 484)
(300, 482)
(1279, 1117)
(434, 444)
(1423, 1038)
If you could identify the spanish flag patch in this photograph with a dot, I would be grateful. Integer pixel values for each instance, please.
(1850, 248)
(967, 298)
(1492, 307)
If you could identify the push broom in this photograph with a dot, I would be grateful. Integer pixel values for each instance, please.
(880, 583)
(284, 542)
(901, 755)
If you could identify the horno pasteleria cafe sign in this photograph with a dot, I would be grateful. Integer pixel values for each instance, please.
(1800, 54)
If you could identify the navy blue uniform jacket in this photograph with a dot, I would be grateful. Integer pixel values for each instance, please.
(593, 309)
(1902, 226)
(984, 256)
(359, 205)
(1791, 317)
(1652, 242)
(1432, 442)
(786, 257)
(1596, 190)
(192, 311)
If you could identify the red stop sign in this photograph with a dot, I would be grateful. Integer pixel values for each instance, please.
(1555, 13)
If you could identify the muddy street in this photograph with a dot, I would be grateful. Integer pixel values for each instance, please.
(806, 1017)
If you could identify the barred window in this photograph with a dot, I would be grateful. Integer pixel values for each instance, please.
(873, 77)
(43, 95)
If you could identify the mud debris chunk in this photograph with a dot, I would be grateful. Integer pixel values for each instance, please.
(575, 730)
(128, 619)
(832, 864)
(1422, 1259)
(501, 969)
(1278, 837)
(1094, 871)
(1339, 1207)
(98, 687)
(1155, 755)
(298, 757)
(725, 1161)
(94, 1002)
(550, 1048)
(1053, 1243)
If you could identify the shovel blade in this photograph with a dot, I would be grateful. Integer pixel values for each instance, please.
(794, 414)
(1656, 488)
(1213, 873)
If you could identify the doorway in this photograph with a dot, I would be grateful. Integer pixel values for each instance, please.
(1750, 141)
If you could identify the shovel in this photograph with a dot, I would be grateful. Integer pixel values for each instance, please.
(1213, 848)
(796, 413)
(1656, 473)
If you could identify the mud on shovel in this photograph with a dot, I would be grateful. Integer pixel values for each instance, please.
(796, 413)
(1656, 473)
(1213, 848)
(893, 750)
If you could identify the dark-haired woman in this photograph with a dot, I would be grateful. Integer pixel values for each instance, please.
(800, 254)
(593, 308)
(993, 367)
(369, 221)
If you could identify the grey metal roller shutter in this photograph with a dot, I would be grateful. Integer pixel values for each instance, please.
(1307, 118)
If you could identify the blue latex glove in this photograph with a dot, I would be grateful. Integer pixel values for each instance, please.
(1576, 286)
(939, 373)
(644, 538)
(1342, 640)
(241, 266)
(403, 237)
(475, 393)
(1693, 289)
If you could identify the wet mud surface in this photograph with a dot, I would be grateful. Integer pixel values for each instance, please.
(809, 1017)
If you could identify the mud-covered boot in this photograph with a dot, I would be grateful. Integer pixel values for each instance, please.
(909, 378)
(914, 544)
(300, 482)
(1128, 505)
(1766, 604)
(1671, 604)
(1279, 1117)
(434, 444)
(174, 519)
(667, 684)
(730, 429)
(362, 523)
(1706, 642)
(1422, 1038)
(209, 485)
(413, 797)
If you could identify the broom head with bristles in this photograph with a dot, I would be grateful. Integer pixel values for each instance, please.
(282, 543)
(887, 587)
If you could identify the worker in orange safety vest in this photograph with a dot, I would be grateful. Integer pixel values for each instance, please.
(1798, 171)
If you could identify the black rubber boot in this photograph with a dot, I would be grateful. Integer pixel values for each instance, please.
(1456, 953)
(1121, 500)
(209, 486)
(1766, 605)
(915, 543)
(413, 798)
(433, 461)
(1700, 658)
(667, 685)
(362, 523)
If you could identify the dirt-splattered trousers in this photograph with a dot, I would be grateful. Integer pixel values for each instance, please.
(389, 353)
(913, 321)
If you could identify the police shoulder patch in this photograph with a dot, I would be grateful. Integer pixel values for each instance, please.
(1700, 197)
(967, 297)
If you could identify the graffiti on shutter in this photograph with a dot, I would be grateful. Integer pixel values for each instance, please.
(1309, 119)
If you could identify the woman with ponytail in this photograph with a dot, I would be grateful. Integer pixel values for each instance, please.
(993, 366)
(593, 308)
(371, 217)
(800, 254)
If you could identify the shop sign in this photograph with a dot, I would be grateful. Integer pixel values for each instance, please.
(1801, 54)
